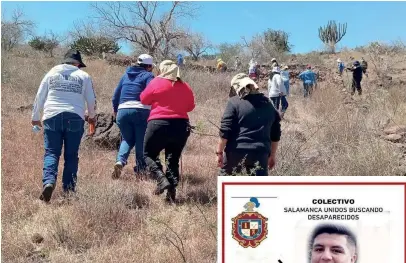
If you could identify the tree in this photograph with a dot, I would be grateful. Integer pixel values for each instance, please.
(96, 45)
(268, 44)
(14, 31)
(140, 23)
(46, 43)
(228, 52)
(196, 45)
(278, 39)
(331, 34)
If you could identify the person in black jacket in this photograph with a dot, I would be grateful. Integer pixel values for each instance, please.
(356, 77)
(250, 130)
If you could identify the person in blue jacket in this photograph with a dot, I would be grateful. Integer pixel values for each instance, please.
(131, 115)
(309, 80)
(180, 60)
(340, 66)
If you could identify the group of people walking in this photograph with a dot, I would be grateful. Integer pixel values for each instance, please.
(152, 115)
(151, 112)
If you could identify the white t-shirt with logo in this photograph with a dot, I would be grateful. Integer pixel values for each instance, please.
(65, 88)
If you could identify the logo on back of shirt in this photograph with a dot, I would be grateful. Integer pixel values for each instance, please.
(66, 83)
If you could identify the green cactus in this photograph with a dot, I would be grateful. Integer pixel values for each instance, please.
(331, 34)
(95, 45)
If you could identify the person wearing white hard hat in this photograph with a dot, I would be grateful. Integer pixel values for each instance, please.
(130, 114)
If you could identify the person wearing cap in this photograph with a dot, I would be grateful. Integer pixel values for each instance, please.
(277, 91)
(309, 80)
(356, 77)
(249, 132)
(168, 127)
(131, 114)
(64, 95)
(340, 66)
(274, 63)
(285, 78)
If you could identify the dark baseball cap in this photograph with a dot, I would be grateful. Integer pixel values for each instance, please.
(73, 56)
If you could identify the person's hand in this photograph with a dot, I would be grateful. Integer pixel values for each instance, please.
(38, 123)
(271, 162)
(219, 160)
(91, 120)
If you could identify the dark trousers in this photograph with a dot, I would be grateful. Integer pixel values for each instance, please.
(356, 84)
(277, 101)
(170, 135)
(252, 162)
(307, 89)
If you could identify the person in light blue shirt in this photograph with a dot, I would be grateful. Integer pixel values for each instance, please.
(180, 60)
(285, 78)
(309, 80)
(340, 66)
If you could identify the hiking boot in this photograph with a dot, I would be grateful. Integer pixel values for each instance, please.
(162, 184)
(171, 194)
(118, 167)
(47, 193)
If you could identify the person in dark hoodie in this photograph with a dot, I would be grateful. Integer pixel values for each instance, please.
(131, 115)
(250, 130)
(357, 71)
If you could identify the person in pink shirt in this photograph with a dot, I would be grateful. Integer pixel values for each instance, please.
(168, 128)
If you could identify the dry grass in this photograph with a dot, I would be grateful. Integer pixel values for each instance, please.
(121, 221)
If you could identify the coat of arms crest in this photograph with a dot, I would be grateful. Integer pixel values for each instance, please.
(250, 227)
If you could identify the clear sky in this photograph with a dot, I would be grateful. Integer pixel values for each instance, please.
(227, 21)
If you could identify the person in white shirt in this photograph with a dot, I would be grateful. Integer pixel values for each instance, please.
(277, 90)
(62, 96)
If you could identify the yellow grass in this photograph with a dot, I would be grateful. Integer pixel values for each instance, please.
(121, 221)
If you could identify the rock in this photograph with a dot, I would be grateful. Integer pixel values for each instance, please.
(395, 129)
(24, 108)
(393, 137)
(107, 134)
(37, 238)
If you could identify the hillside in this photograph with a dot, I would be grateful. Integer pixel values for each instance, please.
(331, 133)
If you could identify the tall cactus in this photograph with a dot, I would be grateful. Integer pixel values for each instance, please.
(331, 34)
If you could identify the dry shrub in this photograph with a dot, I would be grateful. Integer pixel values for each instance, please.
(121, 221)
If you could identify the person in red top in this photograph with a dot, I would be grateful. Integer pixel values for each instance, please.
(168, 125)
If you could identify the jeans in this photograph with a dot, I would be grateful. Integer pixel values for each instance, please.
(285, 103)
(170, 135)
(276, 101)
(307, 89)
(235, 161)
(286, 83)
(132, 124)
(66, 129)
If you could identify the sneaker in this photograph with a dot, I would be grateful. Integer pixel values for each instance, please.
(118, 167)
(47, 193)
